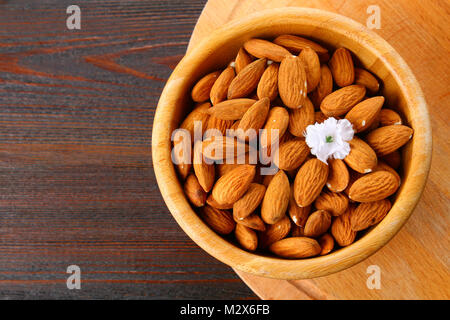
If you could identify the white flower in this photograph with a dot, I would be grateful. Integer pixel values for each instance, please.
(329, 139)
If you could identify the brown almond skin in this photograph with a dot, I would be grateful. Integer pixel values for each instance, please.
(312, 67)
(194, 191)
(291, 154)
(292, 82)
(268, 84)
(242, 60)
(202, 88)
(319, 117)
(369, 213)
(393, 159)
(275, 232)
(297, 231)
(220, 221)
(246, 237)
(362, 158)
(389, 117)
(247, 80)
(219, 89)
(218, 124)
(309, 181)
(254, 118)
(296, 248)
(198, 114)
(296, 44)
(341, 101)
(233, 185)
(326, 242)
(324, 88)
(341, 229)
(232, 109)
(298, 215)
(334, 203)
(204, 172)
(342, 68)
(382, 166)
(265, 49)
(368, 80)
(385, 140)
(373, 187)
(277, 119)
(365, 113)
(249, 201)
(338, 176)
(300, 118)
(222, 206)
(231, 148)
(252, 221)
(317, 224)
(276, 199)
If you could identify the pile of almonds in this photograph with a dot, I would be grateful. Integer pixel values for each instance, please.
(307, 207)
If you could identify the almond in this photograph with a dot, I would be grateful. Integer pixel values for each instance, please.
(219, 89)
(298, 215)
(353, 177)
(342, 68)
(275, 232)
(218, 125)
(341, 101)
(319, 117)
(373, 187)
(341, 229)
(295, 44)
(389, 117)
(253, 221)
(382, 166)
(246, 237)
(220, 221)
(296, 247)
(231, 109)
(317, 224)
(223, 148)
(268, 84)
(338, 176)
(309, 181)
(277, 120)
(233, 185)
(300, 118)
(361, 158)
(368, 214)
(222, 206)
(393, 159)
(198, 114)
(267, 179)
(311, 64)
(334, 203)
(297, 231)
(265, 49)
(292, 83)
(181, 156)
(247, 80)
(291, 154)
(365, 78)
(276, 198)
(202, 88)
(249, 201)
(385, 140)
(194, 191)
(324, 88)
(242, 60)
(254, 118)
(365, 113)
(326, 242)
(204, 172)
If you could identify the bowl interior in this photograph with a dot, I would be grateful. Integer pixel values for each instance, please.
(399, 87)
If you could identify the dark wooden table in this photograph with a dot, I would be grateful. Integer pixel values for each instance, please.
(77, 185)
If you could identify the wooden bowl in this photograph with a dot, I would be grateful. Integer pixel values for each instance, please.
(399, 87)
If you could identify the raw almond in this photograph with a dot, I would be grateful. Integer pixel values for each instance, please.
(276, 199)
(220, 221)
(341, 101)
(231, 109)
(296, 247)
(297, 231)
(389, 117)
(204, 171)
(341, 229)
(194, 191)
(309, 181)
(300, 118)
(198, 114)
(334, 203)
(368, 80)
(369, 213)
(246, 237)
(361, 158)
(342, 68)
(296, 44)
(317, 224)
(242, 60)
(247, 80)
(324, 88)
(385, 140)
(292, 83)
(265, 49)
(253, 221)
(219, 89)
(233, 185)
(268, 84)
(291, 154)
(382, 166)
(319, 117)
(249, 201)
(393, 159)
(216, 125)
(298, 215)
(254, 118)
(181, 156)
(365, 113)
(222, 206)
(224, 148)
(326, 242)
(312, 67)
(277, 120)
(373, 187)
(338, 176)
(202, 88)
(275, 232)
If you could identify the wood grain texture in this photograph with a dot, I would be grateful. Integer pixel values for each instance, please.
(414, 264)
(76, 179)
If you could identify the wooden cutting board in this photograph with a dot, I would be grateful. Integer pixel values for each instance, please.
(415, 264)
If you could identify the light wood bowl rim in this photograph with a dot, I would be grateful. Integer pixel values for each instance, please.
(273, 267)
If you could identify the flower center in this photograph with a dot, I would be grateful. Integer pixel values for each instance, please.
(329, 139)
